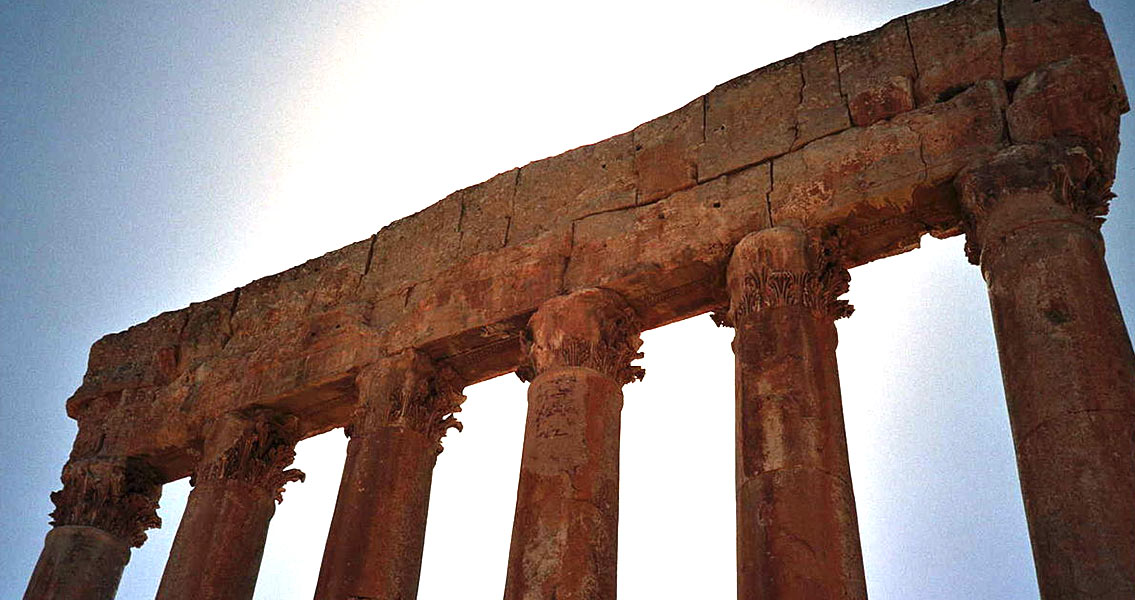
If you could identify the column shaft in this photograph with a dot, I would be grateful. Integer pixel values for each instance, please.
(565, 532)
(374, 547)
(219, 545)
(78, 563)
(1067, 365)
(797, 532)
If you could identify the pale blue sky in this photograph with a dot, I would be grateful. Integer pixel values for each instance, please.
(155, 154)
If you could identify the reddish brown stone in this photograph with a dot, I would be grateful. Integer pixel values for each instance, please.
(78, 563)
(240, 478)
(875, 71)
(555, 191)
(1074, 100)
(1067, 364)
(1041, 33)
(105, 507)
(666, 151)
(797, 533)
(374, 547)
(822, 110)
(565, 533)
(486, 214)
(955, 45)
(884, 164)
(750, 119)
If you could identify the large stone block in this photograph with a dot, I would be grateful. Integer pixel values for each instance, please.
(415, 248)
(652, 254)
(822, 110)
(1040, 32)
(488, 288)
(751, 119)
(877, 70)
(486, 213)
(553, 192)
(1075, 100)
(883, 164)
(666, 151)
(954, 46)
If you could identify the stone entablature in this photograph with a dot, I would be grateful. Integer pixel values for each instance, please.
(861, 136)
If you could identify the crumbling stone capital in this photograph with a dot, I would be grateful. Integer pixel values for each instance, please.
(118, 495)
(254, 447)
(1030, 184)
(407, 391)
(591, 328)
(786, 267)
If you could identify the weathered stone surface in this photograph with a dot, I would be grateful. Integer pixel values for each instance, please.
(632, 250)
(565, 532)
(78, 563)
(555, 191)
(441, 281)
(1075, 101)
(374, 546)
(823, 109)
(751, 118)
(883, 164)
(954, 45)
(486, 213)
(666, 151)
(1038, 33)
(1066, 360)
(876, 70)
(400, 259)
(797, 532)
(237, 483)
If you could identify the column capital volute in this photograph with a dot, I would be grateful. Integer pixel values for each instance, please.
(590, 328)
(254, 446)
(1026, 184)
(407, 391)
(116, 494)
(786, 266)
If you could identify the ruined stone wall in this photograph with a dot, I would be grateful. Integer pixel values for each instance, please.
(861, 137)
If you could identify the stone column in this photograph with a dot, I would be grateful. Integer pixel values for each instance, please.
(565, 532)
(104, 508)
(236, 485)
(1066, 361)
(374, 547)
(797, 532)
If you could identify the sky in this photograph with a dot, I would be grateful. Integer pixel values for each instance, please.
(157, 154)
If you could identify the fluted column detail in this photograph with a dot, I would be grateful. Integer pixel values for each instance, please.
(797, 531)
(565, 532)
(1033, 221)
(238, 481)
(405, 405)
(104, 508)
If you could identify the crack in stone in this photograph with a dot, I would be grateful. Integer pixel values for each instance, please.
(839, 85)
(232, 313)
(913, 57)
(1001, 31)
(799, 104)
(370, 257)
(768, 195)
(704, 115)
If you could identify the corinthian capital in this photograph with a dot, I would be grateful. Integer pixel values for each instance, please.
(115, 494)
(1028, 184)
(255, 447)
(592, 328)
(786, 267)
(407, 391)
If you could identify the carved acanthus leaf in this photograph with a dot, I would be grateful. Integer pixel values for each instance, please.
(258, 452)
(117, 495)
